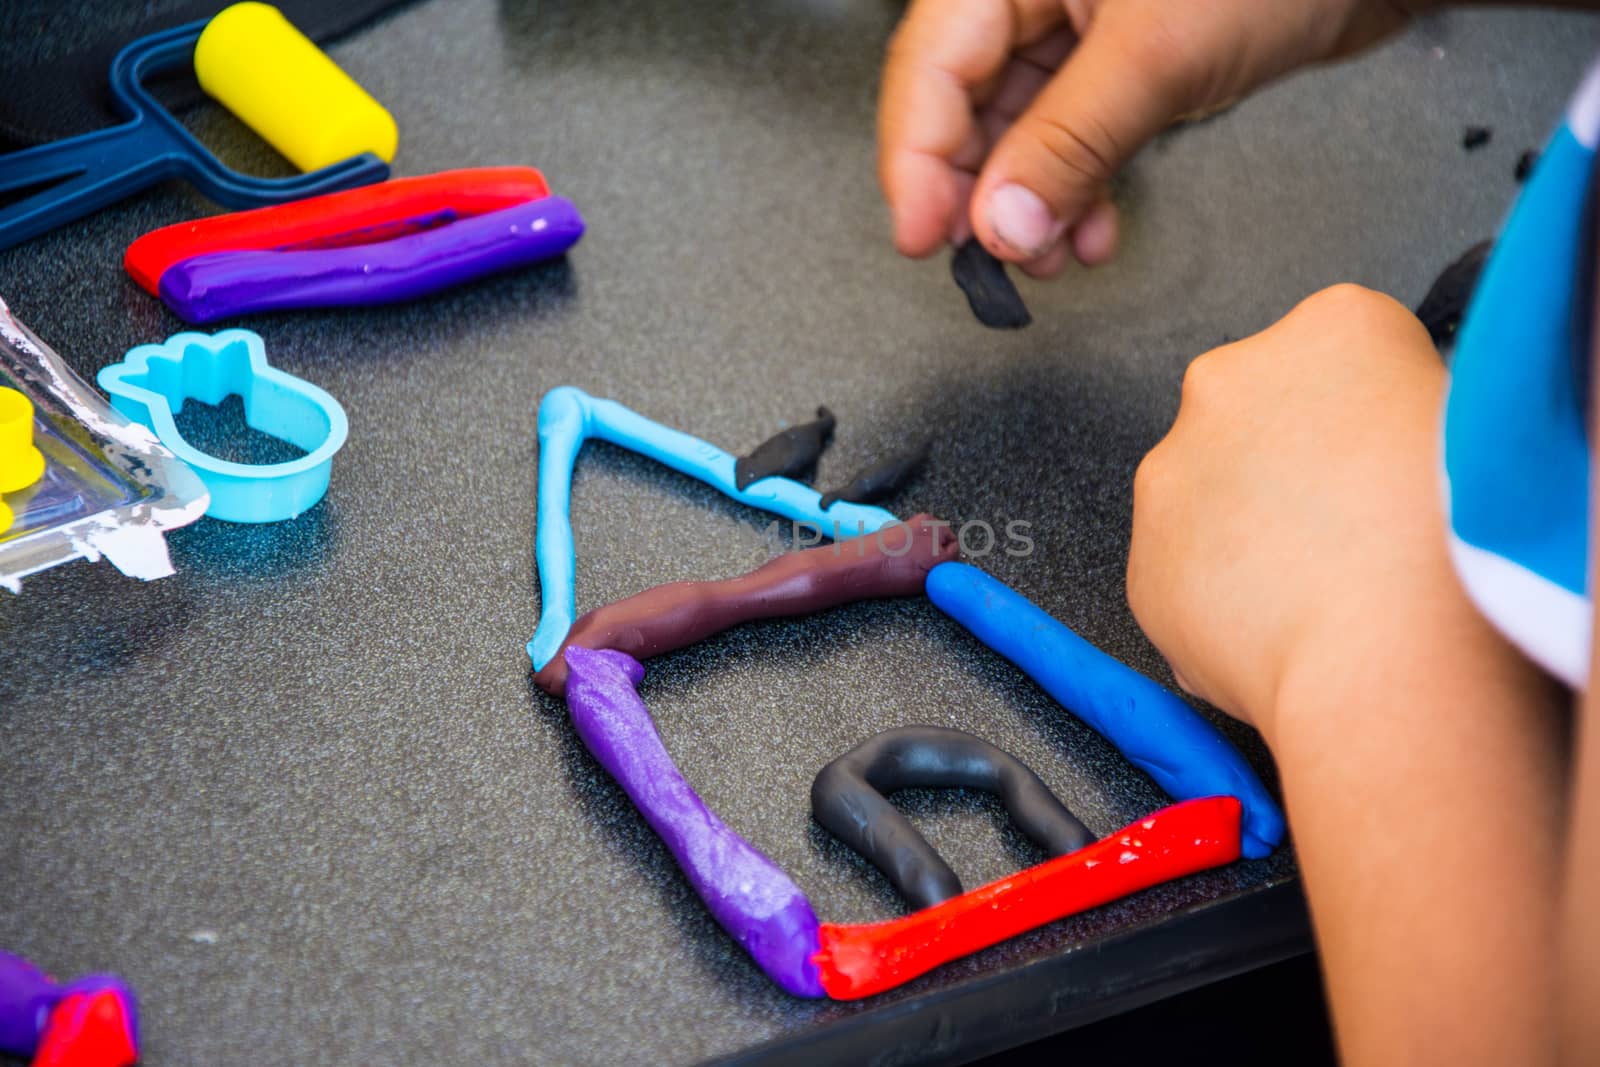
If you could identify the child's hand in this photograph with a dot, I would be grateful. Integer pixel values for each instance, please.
(1292, 518)
(1008, 117)
(1290, 560)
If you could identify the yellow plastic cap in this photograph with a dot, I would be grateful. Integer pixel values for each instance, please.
(269, 74)
(20, 463)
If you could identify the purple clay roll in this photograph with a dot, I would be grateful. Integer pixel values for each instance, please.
(222, 285)
(27, 997)
(90, 1019)
(747, 893)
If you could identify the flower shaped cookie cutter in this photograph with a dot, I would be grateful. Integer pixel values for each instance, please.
(152, 383)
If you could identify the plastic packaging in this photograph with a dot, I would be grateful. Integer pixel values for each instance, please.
(109, 488)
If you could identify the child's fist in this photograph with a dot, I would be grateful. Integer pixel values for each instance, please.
(1292, 517)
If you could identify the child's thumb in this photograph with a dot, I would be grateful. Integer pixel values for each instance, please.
(1121, 86)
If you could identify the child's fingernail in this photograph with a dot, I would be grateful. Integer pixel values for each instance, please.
(1023, 221)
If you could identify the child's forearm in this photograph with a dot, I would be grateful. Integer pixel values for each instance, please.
(1425, 793)
(1580, 914)
(1580, 904)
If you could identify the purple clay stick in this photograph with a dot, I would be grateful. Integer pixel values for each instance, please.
(41, 1017)
(27, 997)
(219, 285)
(747, 893)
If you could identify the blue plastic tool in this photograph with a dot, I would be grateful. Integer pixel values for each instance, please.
(153, 381)
(1149, 724)
(85, 174)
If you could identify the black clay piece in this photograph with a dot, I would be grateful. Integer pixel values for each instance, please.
(1475, 137)
(790, 453)
(879, 481)
(989, 290)
(1441, 310)
(1525, 164)
(848, 799)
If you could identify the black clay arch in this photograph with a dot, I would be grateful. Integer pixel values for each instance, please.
(849, 799)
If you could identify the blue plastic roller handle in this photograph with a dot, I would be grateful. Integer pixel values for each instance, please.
(84, 174)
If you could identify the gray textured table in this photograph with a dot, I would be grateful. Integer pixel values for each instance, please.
(303, 794)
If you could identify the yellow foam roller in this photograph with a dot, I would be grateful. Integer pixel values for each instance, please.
(277, 82)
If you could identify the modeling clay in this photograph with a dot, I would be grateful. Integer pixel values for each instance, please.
(1153, 727)
(766, 912)
(786, 454)
(892, 562)
(227, 284)
(1448, 297)
(860, 960)
(354, 216)
(568, 417)
(747, 893)
(848, 798)
(880, 481)
(90, 1022)
(152, 383)
(990, 292)
(1475, 137)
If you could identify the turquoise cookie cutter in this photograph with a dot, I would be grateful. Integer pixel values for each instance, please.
(153, 381)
